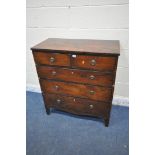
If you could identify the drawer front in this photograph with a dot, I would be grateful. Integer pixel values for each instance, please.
(77, 105)
(94, 62)
(79, 90)
(74, 75)
(53, 59)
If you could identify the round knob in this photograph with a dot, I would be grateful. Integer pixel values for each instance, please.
(93, 62)
(52, 59)
(54, 73)
(91, 106)
(91, 92)
(92, 77)
(56, 87)
(58, 101)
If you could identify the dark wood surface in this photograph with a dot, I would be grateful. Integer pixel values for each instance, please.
(100, 63)
(79, 90)
(45, 59)
(77, 105)
(76, 75)
(79, 45)
(79, 61)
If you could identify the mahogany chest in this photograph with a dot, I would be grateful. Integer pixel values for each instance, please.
(77, 75)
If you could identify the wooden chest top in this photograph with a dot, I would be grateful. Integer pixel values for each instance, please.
(80, 46)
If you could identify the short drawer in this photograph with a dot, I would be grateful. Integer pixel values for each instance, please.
(79, 90)
(77, 105)
(94, 62)
(53, 59)
(76, 75)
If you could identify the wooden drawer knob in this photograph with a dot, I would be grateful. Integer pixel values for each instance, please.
(58, 101)
(52, 59)
(54, 73)
(91, 92)
(93, 62)
(91, 106)
(92, 77)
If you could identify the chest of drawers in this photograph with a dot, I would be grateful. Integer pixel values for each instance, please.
(77, 75)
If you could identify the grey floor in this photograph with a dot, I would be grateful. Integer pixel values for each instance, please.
(65, 134)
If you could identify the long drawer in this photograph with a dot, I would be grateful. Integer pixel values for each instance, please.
(76, 75)
(85, 91)
(77, 105)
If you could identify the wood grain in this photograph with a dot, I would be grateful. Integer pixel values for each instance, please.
(101, 63)
(79, 90)
(45, 59)
(77, 105)
(80, 46)
(76, 75)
